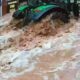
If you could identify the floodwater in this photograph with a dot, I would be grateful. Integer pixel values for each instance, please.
(42, 51)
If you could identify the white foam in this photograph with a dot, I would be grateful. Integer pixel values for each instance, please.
(56, 77)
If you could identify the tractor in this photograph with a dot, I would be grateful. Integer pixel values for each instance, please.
(35, 10)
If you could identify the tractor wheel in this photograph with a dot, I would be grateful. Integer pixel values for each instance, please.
(18, 15)
(26, 20)
(76, 10)
(61, 16)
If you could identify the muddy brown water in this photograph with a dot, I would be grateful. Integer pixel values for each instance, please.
(43, 51)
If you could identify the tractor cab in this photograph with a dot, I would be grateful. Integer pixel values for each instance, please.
(31, 3)
(22, 2)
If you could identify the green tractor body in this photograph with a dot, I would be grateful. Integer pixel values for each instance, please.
(61, 9)
(38, 12)
(35, 13)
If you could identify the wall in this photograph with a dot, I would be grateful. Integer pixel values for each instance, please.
(4, 7)
(8, 6)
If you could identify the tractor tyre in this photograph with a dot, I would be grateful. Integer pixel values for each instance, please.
(76, 10)
(18, 14)
(61, 16)
(26, 20)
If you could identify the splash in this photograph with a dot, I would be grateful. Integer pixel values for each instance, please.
(42, 51)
